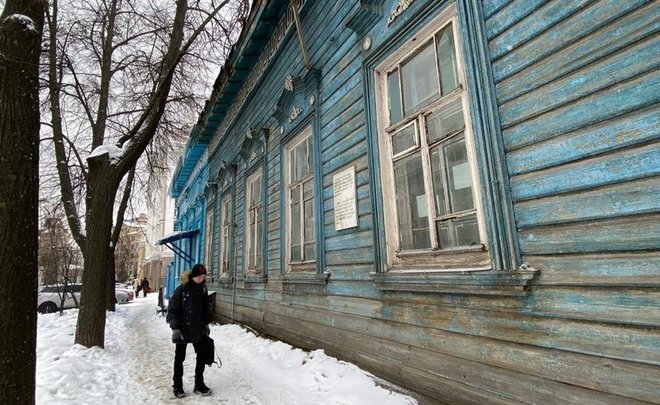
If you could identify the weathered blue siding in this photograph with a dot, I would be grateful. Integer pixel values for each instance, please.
(574, 124)
(187, 189)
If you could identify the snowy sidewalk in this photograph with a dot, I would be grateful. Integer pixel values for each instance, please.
(136, 367)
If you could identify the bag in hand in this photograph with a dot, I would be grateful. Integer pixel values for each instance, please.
(207, 351)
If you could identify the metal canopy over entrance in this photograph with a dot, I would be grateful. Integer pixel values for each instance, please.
(170, 240)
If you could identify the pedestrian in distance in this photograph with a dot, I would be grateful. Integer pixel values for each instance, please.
(137, 285)
(145, 287)
(189, 315)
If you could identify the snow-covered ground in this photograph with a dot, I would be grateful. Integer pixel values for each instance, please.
(136, 367)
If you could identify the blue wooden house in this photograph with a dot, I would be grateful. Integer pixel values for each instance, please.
(460, 196)
(188, 186)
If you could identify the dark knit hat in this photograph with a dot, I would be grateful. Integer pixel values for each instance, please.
(197, 270)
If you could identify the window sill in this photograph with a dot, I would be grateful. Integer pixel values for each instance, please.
(254, 279)
(306, 278)
(423, 253)
(493, 283)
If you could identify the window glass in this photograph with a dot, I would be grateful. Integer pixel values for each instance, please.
(458, 232)
(447, 60)
(433, 190)
(295, 225)
(254, 231)
(404, 139)
(451, 177)
(258, 241)
(420, 81)
(300, 199)
(394, 92)
(411, 203)
(225, 232)
(309, 220)
(445, 121)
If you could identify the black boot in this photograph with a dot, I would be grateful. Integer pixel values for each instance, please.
(202, 389)
(178, 392)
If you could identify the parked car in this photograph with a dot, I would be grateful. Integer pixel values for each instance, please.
(123, 295)
(49, 298)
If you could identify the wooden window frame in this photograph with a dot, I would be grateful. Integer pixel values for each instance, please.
(208, 239)
(224, 256)
(252, 234)
(464, 258)
(305, 135)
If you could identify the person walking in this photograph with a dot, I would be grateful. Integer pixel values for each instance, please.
(145, 287)
(137, 284)
(189, 315)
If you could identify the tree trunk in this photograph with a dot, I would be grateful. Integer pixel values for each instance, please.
(101, 191)
(110, 289)
(21, 25)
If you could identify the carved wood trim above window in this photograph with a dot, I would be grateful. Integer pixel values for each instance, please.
(369, 13)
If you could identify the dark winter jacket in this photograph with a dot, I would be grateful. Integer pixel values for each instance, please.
(188, 309)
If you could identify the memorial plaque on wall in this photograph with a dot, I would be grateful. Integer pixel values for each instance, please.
(343, 185)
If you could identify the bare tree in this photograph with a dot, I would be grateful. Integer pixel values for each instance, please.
(21, 24)
(57, 251)
(123, 77)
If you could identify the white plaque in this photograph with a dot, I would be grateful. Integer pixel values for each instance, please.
(343, 185)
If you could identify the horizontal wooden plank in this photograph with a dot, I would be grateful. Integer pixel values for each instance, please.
(550, 44)
(619, 67)
(612, 341)
(362, 176)
(460, 379)
(346, 142)
(607, 375)
(623, 199)
(336, 116)
(363, 255)
(610, 270)
(349, 155)
(352, 127)
(350, 274)
(423, 381)
(620, 132)
(491, 7)
(626, 165)
(348, 241)
(620, 306)
(544, 18)
(640, 232)
(632, 306)
(611, 38)
(509, 15)
(618, 100)
(353, 82)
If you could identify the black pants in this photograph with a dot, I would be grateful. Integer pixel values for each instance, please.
(179, 357)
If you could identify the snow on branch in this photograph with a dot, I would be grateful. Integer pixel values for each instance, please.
(114, 152)
(25, 21)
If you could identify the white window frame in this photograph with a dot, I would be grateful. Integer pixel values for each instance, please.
(208, 239)
(225, 235)
(304, 264)
(252, 235)
(435, 258)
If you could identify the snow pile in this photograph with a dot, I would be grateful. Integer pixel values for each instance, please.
(136, 367)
